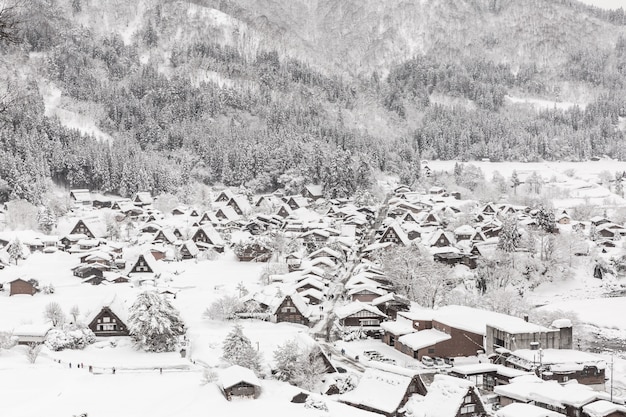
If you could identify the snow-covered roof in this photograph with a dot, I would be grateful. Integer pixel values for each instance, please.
(390, 296)
(558, 359)
(557, 395)
(561, 323)
(444, 398)
(380, 390)
(418, 314)
(356, 306)
(235, 374)
(423, 338)
(603, 408)
(476, 320)
(312, 281)
(525, 410)
(38, 330)
(397, 328)
(312, 292)
(368, 288)
(314, 190)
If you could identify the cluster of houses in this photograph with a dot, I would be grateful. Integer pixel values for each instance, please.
(332, 283)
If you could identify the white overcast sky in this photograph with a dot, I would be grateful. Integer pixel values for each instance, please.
(607, 4)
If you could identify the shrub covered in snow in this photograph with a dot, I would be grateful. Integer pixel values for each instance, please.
(224, 308)
(70, 336)
(315, 403)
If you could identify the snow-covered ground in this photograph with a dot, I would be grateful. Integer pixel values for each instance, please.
(58, 106)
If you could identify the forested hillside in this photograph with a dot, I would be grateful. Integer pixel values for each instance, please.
(272, 93)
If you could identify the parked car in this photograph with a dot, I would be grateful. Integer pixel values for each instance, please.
(439, 361)
(372, 354)
(428, 361)
(388, 360)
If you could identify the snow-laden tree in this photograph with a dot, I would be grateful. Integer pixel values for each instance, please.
(237, 350)
(33, 351)
(54, 313)
(16, 251)
(154, 324)
(286, 358)
(515, 181)
(46, 220)
(545, 220)
(509, 237)
(224, 308)
(311, 368)
(416, 275)
(75, 312)
(298, 366)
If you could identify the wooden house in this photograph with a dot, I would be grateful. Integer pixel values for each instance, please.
(295, 202)
(312, 192)
(227, 214)
(144, 264)
(208, 235)
(365, 293)
(384, 391)
(440, 239)
(188, 250)
(107, 323)
(31, 333)
(292, 309)
(240, 204)
(394, 234)
(224, 196)
(90, 230)
(448, 396)
(284, 211)
(164, 236)
(20, 286)
(391, 304)
(358, 314)
(80, 197)
(254, 252)
(237, 381)
(142, 198)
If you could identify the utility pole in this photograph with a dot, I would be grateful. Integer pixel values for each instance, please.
(612, 356)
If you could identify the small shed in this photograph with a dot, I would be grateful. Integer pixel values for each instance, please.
(237, 381)
(19, 286)
(31, 333)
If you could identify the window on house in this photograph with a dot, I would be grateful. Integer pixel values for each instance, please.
(565, 378)
(431, 350)
(370, 322)
(106, 319)
(468, 409)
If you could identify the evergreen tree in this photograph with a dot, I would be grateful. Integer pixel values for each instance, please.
(46, 220)
(546, 220)
(154, 324)
(515, 181)
(16, 251)
(237, 350)
(509, 237)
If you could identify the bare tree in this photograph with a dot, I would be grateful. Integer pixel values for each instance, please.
(75, 312)
(10, 22)
(54, 313)
(33, 351)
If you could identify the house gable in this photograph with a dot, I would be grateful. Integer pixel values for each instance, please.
(107, 323)
(82, 229)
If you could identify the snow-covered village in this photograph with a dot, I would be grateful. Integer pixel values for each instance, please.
(425, 303)
(316, 208)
